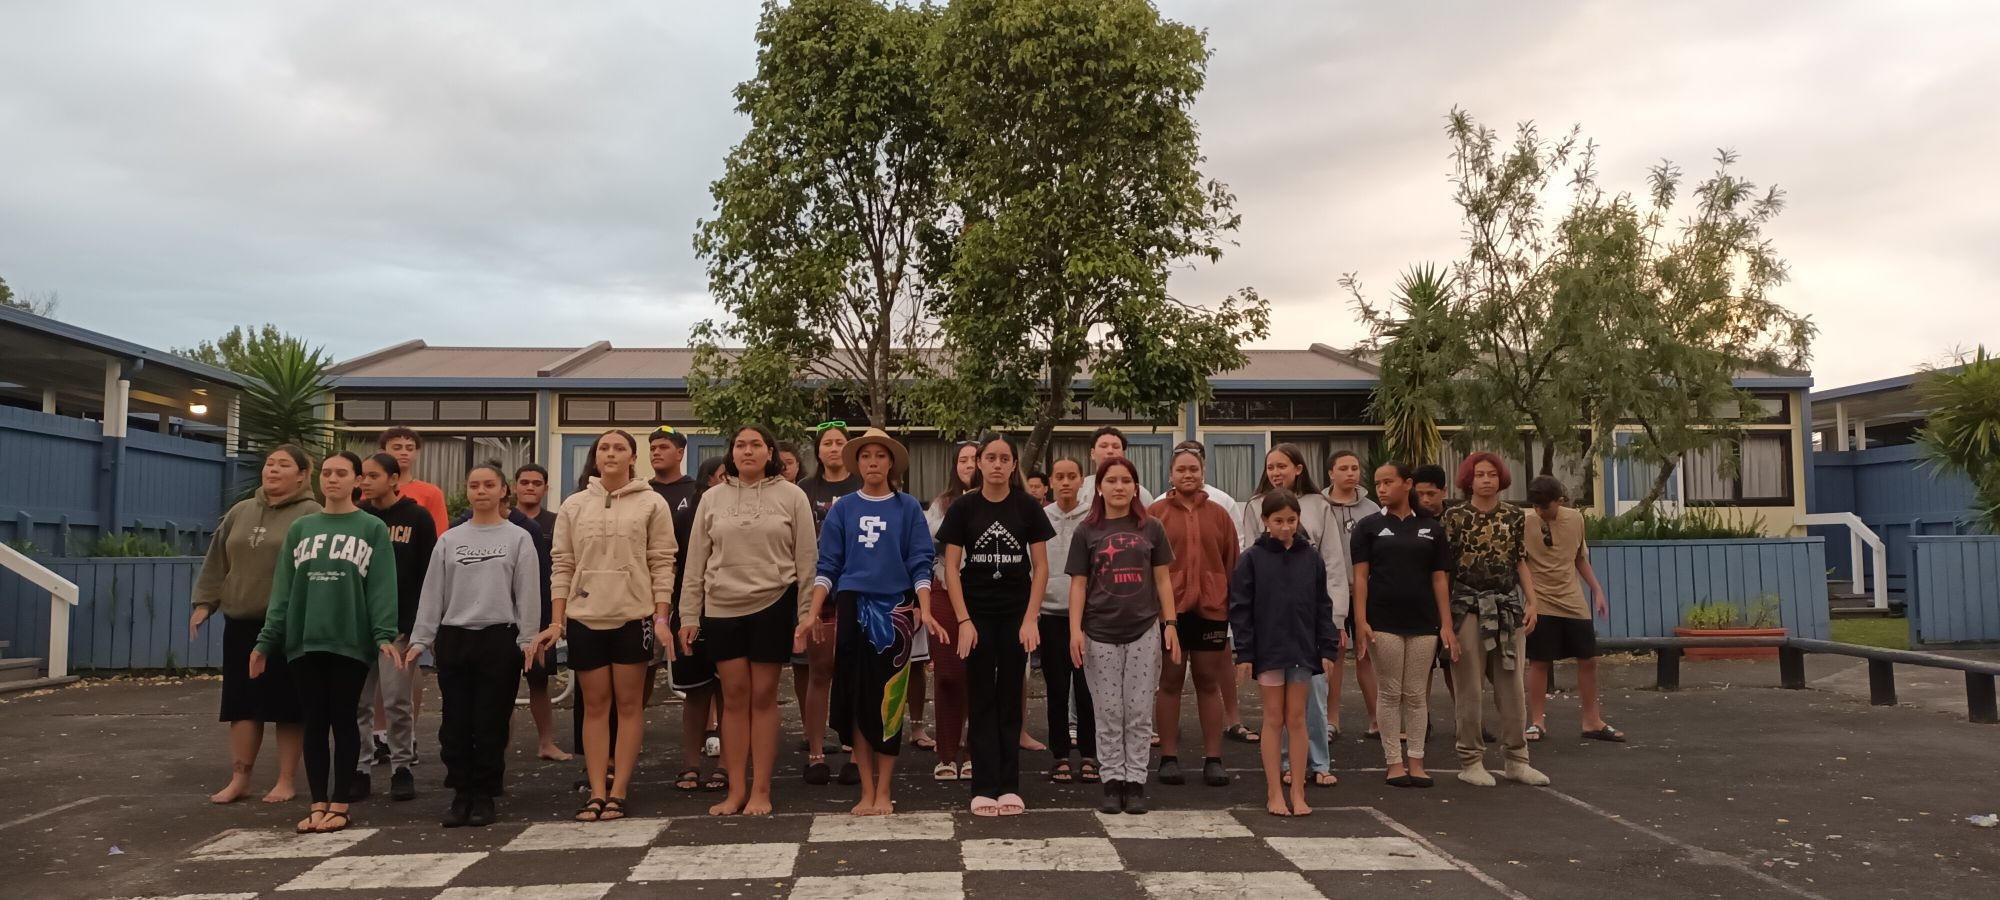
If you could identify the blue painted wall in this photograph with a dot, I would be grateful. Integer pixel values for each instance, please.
(51, 493)
(1889, 488)
(1954, 595)
(1649, 585)
(130, 614)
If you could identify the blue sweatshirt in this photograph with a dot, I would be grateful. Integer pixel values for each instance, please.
(1279, 610)
(875, 545)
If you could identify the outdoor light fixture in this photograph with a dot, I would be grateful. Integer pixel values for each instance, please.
(199, 409)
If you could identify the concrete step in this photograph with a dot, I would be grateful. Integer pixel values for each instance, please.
(19, 669)
(34, 684)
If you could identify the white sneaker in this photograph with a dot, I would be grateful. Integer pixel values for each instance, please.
(712, 747)
(1477, 776)
(1526, 774)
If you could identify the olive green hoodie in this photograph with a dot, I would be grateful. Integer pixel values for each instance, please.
(236, 574)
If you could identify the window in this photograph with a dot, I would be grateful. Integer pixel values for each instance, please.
(446, 458)
(628, 411)
(459, 408)
(1319, 447)
(1754, 471)
(364, 410)
(1235, 468)
(1287, 409)
(591, 411)
(510, 411)
(412, 410)
(635, 410)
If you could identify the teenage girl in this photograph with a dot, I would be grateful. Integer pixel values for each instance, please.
(747, 582)
(1402, 598)
(1282, 619)
(236, 578)
(1205, 552)
(611, 566)
(1346, 504)
(1065, 682)
(1120, 596)
(950, 669)
(812, 659)
(333, 606)
(413, 533)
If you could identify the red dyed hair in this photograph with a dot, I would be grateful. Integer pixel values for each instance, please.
(1473, 461)
(1096, 516)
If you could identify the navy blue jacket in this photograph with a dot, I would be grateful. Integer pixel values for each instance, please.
(1279, 611)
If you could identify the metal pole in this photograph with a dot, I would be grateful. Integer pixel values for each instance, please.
(1979, 703)
(1881, 683)
(1792, 668)
(1667, 661)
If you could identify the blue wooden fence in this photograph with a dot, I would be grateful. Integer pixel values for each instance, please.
(131, 613)
(51, 494)
(1649, 585)
(1954, 595)
(1894, 493)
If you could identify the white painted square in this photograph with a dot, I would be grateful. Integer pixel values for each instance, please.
(1228, 886)
(1172, 824)
(402, 870)
(529, 892)
(264, 843)
(1041, 855)
(901, 827)
(199, 897)
(717, 862)
(896, 886)
(1356, 854)
(588, 835)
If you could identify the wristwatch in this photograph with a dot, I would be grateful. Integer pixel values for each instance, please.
(1174, 624)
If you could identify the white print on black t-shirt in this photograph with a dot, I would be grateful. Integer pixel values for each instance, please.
(1425, 533)
(871, 530)
(1386, 533)
(997, 547)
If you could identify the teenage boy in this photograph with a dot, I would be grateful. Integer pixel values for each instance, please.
(1557, 555)
(531, 487)
(1106, 443)
(1038, 486)
(690, 673)
(405, 445)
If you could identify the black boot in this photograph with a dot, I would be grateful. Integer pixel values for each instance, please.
(1114, 798)
(461, 804)
(358, 789)
(1135, 800)
(1170, 770)
(479, 813)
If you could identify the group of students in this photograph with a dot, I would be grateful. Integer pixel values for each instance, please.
(727, 577)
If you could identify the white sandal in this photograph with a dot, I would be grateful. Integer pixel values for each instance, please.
(945, 772)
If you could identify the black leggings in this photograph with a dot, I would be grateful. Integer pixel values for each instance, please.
(1065, 681)
(329, 692)
(995, 676)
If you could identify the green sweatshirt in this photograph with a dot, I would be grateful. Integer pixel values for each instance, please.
(236, 575)
(335, 591)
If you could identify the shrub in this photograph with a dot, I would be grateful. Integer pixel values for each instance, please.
(1698, 524)
(128, 543)
(1761, 613)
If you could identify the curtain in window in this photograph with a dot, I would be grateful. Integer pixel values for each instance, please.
(1763, 474)
(1235, 468)
(510, 452)
(1151, 461)
(1318, 447)
(1705, 474)
(930, 466)
(1568, 466)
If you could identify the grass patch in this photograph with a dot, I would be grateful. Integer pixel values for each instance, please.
(1889, 634)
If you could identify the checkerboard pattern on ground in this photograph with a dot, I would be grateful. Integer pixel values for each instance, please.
(930, 855)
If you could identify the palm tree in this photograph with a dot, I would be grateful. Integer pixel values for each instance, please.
(286, 397)
(1962, 430)
(1415, 367)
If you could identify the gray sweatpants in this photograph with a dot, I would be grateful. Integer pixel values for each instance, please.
(1124, 678)
(398, 706)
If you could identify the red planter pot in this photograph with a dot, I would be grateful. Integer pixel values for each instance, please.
(1730, 652)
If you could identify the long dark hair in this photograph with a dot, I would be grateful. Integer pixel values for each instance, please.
(773, 467)
(1014, 481)
(1301, 485)
(954, 486)
(1096, 516)
(354, 462)
(590, 459)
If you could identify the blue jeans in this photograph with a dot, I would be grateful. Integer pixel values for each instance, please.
(1318, 756)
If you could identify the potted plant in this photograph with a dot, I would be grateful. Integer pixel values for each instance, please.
(1724, 619)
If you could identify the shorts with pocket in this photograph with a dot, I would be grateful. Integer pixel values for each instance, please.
(630, 644)
(764, 636)
(1561, 637)
(690, 670)
(1199, 635)
(1285, 676)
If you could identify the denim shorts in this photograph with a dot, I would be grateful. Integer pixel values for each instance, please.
(1285, 676)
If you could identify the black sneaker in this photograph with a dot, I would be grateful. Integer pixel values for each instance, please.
(381, 751)
(1170, 770)
(1114, 798)
(461, 806)
(358, 789)
(1135, 800)
(479, 813)
(402, 785)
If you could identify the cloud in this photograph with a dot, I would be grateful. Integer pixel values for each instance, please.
(524, 173)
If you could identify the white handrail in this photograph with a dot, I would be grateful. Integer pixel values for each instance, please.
(62, 596)
(1858, 534)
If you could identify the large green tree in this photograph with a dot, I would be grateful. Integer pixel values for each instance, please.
(814, 249)
(1075, 184)
(40, 303)
(237, 349)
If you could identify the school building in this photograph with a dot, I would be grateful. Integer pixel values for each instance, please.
(547, 404)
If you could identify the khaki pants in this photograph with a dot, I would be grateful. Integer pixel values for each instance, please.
(1402, 692)
(1473, 670)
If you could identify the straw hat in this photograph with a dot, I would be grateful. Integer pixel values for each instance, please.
(899, 457)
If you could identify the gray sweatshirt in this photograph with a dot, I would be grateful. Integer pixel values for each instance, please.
(481, 576)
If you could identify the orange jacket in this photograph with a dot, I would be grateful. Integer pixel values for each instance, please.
(1203, 537)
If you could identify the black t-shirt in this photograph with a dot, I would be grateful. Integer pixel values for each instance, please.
(998, 576)
(682, 497)
(1122, 599)
(822, 493)
(1401, 555)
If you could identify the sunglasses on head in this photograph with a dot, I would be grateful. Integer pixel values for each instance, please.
(833, 424)
(1195, 449)
(1548, 537)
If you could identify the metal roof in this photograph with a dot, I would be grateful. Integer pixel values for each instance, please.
(12, 320)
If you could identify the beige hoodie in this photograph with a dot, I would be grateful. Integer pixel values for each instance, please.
(614, 554)
(749, 543)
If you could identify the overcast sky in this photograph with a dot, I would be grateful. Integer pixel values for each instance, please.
(530, 173)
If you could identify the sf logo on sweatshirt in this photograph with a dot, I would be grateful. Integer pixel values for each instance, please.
(871, 530)
(334, 548)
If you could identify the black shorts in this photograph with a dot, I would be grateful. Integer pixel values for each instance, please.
(1199, 635)
(1561, 637)
(690, 670)
(764, 636)
(630, 644)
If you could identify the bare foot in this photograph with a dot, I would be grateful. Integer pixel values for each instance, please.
(1029, 743)
(236, 790)
(864, 808)
(282, 792)
(757, 807)
(728, 807)
(1276, 806)
(553, 753)
(885, 808)
(1299, 807)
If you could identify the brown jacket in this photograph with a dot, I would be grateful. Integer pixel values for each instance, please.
(1204, 541)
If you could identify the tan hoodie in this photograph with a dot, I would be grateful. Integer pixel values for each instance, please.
(613, 557)
(749, 543)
